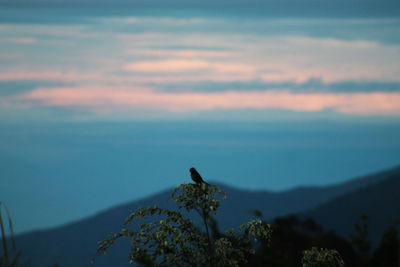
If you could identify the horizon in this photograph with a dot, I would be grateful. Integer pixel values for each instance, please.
(100, 106)
(222, 184)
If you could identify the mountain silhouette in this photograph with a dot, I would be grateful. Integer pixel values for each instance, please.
(335, 207)
(380, 202)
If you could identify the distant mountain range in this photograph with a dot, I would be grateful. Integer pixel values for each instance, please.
(380, 202)
(335, 207)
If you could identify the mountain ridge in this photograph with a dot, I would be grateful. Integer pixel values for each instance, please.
(326, 191)
(378, 202)
(75, 243)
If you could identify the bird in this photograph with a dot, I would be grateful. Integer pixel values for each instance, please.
(196, 177)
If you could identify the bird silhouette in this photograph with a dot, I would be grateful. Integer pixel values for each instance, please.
(196, 177)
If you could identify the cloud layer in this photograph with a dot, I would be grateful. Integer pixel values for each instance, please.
(183, 65)
(105, 99)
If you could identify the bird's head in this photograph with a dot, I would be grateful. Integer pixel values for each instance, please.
(192, 170)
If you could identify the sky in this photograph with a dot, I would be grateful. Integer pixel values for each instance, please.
(108, 104)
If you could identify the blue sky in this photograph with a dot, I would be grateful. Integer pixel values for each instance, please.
(101, 106)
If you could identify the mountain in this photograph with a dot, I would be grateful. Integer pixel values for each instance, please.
(74, 244)
(291, 201)
(380, 202)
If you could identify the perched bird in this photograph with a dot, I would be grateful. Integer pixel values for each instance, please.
(196, 177)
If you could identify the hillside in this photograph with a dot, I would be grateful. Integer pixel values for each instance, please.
(75, 243)
(380, 202)
(291, 201)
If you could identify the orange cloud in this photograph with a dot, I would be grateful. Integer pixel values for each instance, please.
(167, 66)
(184, 53)
(184, 65)
(99, 99)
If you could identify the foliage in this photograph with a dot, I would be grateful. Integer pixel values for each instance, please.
(388, 252)
(361, 240)
(360, 237)
(10, 258)
(322, 257)
(172, 239)
(292, 235)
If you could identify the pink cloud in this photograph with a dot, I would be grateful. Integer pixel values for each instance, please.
(100, 99)
(184, 53)
(144, 74)
(184, 65)
(167, 66)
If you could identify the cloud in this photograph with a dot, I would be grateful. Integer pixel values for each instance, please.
(167, 66)
(104, 99)
(149, 58)
(10, 88)
(331, 43)
(186, 65)
(43, 30)
(311, 86)
(269, 58)
(183, 53)
(170, 21)
(47, 75)
(140, 77)
(21, 40)
(127, 65)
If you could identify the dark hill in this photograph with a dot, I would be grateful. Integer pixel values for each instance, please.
(74, 244)
(380, 202)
